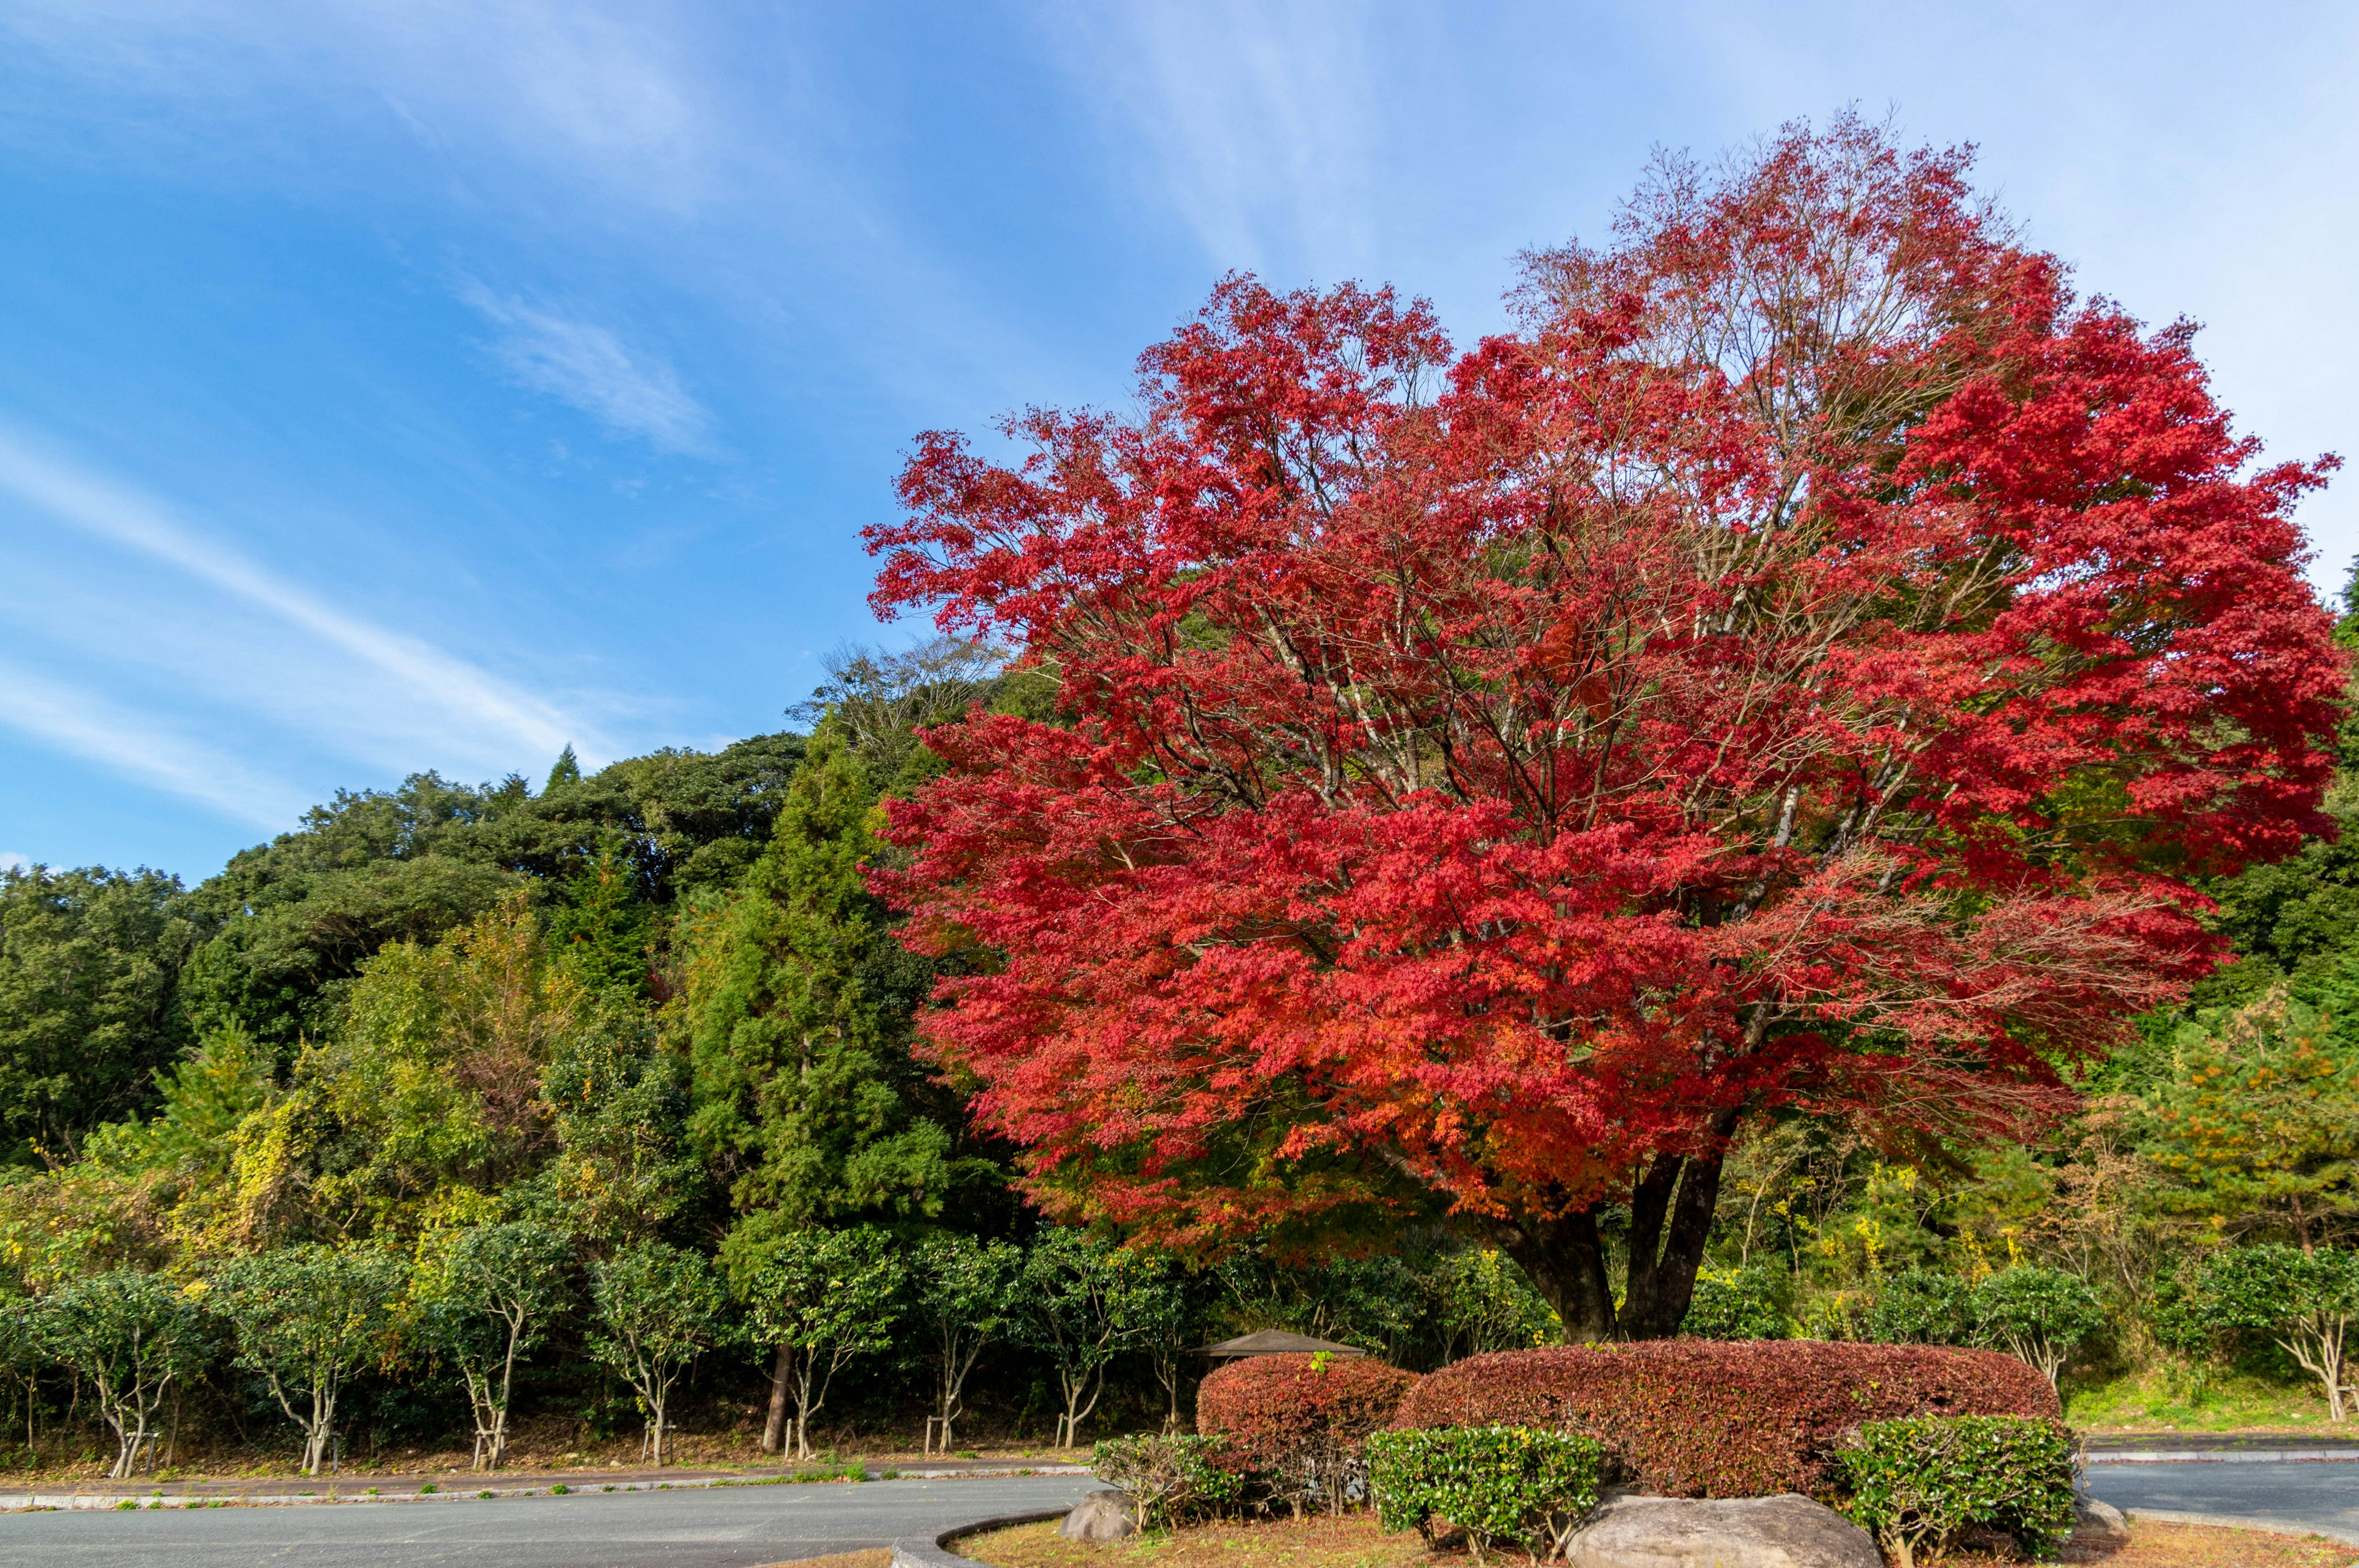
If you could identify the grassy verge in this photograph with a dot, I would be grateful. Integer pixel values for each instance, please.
(2167, 1399)
(1354, 1541)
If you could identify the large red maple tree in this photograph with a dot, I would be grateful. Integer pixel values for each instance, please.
(1797, 671)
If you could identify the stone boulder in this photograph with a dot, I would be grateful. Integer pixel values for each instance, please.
(1787, 1532)
(1102, 1515)
(2099, 1519)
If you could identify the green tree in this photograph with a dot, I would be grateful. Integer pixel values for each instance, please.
(619, 1101)
(602, 927)
(659, 1308)
(129, 1335)
(88, 963)
(819, 1298)
(1083, 1305)
(964, 1292)
(487, 1295)
(2257, 1118)
(800, 1002)
(2303, 1301)
(2042, 1315)
(1481, 1302)
(307, 1319)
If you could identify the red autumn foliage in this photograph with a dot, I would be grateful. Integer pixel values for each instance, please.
(1292, 1417)
(1799, 669)
(1692, 1418)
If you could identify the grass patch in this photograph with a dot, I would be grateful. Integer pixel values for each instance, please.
(1352, 1542)
(2168, 1397)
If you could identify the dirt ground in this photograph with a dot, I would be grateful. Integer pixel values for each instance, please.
(1354, 1541)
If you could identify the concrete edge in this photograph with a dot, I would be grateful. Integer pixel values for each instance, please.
(36, 1502)
(933, 1551)
(2223, 1456)
(2244, 1522)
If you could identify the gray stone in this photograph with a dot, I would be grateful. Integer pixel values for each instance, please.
(1103, 1515)
(1788, 1532)
(2099, 1517)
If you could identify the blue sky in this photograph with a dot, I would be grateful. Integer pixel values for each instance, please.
(403, 384)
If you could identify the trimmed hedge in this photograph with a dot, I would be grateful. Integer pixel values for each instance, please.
(1172, 1479)
(1923, 1482)
(1299, 1425)
(1705, 1418)
(1501, 1485)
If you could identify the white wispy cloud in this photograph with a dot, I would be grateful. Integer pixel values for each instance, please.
(471, 708)
(1259, 124)
(83, 724)
(14, 860)
(633, 392)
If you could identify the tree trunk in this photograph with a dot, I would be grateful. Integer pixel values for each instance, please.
(774, 1428)
(1671, 1209)
(1668, 1237)
(1565, 1263)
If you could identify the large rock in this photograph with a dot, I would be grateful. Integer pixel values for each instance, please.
(1102, 1515)
(2099, 1517)
(1788, 1532)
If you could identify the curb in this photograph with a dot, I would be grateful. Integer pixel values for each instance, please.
(933, 1551)
(2243, 1521)
(35, 1502)
(2223, 1456)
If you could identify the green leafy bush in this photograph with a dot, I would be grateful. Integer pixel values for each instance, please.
(2039, 1315)
(1501, 1485)
(1171, 1480)
(2305, 1302)
(1922, 1306)
(1918, 1484)
(1734, 1304)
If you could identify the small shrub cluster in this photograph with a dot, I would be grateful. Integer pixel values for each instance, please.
(1298, 1425)
(1696, 1418)
(1501, 1485)
(1923, 1482)
(1173, 1480)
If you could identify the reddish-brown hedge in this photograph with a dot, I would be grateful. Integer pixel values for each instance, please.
(1301, 1422)
(1694, 1418)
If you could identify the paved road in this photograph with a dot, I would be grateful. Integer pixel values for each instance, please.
(2318, 1495)
(723, 1527)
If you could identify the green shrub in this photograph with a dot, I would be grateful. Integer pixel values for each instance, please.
(1734, 1304)
(2041, 1314)
(1920, 1482)
(1922, 1306)
(1171, 1480)
(1501, 1485)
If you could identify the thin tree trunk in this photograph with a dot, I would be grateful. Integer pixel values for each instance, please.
(774, 1428)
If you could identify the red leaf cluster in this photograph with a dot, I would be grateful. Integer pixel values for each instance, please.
(1692, 1418)
(1802, 666)
(1298, 1417)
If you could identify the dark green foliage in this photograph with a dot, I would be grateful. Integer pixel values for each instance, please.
(2039, 1314)
(619, 1104)
(798, 1003)
(1919, 1483)
(308, 1319)
(88, 962)
(1920, 1306)
(292, 920)
(2305, 1303)
(659, 1307)
(486, 1296)
(602, 926)
(1174, 1479)
(1504, 1486)
(1734, 1303)
(129, 1334)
